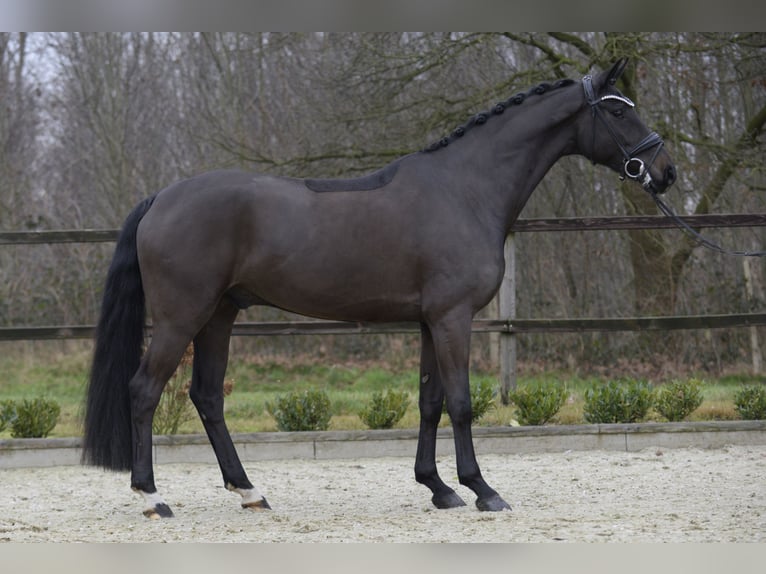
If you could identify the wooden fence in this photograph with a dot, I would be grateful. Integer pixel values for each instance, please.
(508, 325)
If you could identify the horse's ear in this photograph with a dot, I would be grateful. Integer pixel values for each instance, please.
(609, 78)
(616, 71)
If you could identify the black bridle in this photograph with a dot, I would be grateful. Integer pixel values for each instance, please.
(635, 168)
(632, 167)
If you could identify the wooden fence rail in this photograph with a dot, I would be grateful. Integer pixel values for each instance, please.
(521, 226)
(286, 328)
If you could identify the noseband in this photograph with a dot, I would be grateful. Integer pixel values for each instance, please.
(632, 167)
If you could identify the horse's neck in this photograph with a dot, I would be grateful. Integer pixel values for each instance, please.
(527, 172)
(511, 158)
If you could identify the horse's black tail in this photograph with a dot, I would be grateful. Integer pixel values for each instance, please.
(107, 440)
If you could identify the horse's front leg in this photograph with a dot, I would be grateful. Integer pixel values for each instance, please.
(451, 335)
(430, 402)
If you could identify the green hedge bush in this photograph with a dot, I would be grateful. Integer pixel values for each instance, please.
(678, 399)
(35, 418)
(482, 398)
(624, 401)
(750, 402)
(537, 404)
(301, 411)
(7, 414)
(385, 410)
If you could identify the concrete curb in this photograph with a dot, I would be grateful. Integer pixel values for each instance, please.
(20, 453)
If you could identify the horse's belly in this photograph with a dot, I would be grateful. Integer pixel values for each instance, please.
(335, 295)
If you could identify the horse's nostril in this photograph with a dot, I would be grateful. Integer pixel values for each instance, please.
(670, 175)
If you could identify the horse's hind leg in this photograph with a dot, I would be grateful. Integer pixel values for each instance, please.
(157, 366)
(211, 353)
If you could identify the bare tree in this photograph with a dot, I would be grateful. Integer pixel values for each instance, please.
(18, 129)
(19, 124)
(112, 113)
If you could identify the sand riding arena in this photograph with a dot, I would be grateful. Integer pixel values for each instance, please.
(653, 493)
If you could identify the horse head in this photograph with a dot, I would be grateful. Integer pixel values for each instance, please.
(611, 133)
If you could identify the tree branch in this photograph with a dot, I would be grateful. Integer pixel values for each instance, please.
(747, 140)
(578, 43)
(554, 57)
(715, 187)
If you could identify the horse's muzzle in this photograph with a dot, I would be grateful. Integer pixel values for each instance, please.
(668, 179)
(635, 169)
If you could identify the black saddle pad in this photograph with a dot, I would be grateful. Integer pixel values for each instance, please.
(374, 180)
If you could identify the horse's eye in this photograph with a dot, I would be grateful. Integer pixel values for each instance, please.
(618, 113)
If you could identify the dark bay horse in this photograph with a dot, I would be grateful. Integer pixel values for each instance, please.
(420, 240)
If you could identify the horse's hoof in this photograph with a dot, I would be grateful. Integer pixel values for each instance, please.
(492, 504)
(448, 500)
(257, 505)
(161, 510)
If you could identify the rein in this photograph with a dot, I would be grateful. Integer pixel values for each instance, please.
(635, 168)
(668, 211)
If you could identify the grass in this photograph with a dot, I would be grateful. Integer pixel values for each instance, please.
(350, 386)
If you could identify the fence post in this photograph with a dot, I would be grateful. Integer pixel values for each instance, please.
(755, 346)
(507, 304)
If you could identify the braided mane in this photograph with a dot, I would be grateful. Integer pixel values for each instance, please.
(497, 109)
